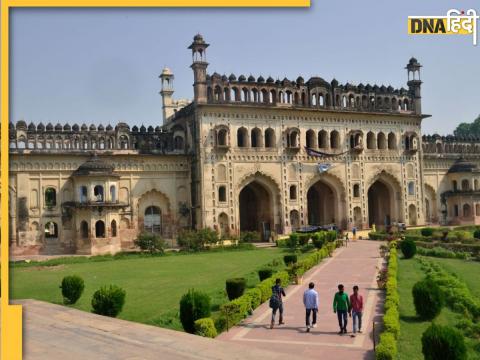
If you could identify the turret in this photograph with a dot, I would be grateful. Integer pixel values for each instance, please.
(414, 84)
(199, 66)
(166, 92)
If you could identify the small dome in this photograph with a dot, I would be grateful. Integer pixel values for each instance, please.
(67, 127)
(224, 77)
(216, 76)
(84, 127)
(198, 38)
(93, 127)
(58, 127)
(75, 127)
(100, 127)
(463, 166)
(383, 88)
(95, 166)
(375, 88)
(109, 127)
(40, 127)
(242, 78)
(368, 87)
(166, 71)
(360, 86)
(300, 80)
(334, 82)
(260, 79)
(158, 129)
(31, 127)
(270, 80)
(143, 129)
(390, 89)
(150, 129)
(135, 128)
(232, 77)
(21, 125)
(49, 127)
(278, 82)
(251, 78)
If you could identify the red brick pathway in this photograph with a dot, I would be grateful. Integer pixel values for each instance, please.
(355, 264)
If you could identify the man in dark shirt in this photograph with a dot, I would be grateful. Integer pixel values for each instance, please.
(276, 302)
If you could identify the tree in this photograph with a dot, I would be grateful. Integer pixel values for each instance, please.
(464, 129)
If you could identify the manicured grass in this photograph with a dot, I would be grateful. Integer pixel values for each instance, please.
(411, 327)
(468, 271)
(154, 285)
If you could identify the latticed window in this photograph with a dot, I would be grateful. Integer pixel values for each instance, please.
(152, 221)
(50, 197)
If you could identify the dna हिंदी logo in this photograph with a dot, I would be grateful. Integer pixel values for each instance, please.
(456, 22)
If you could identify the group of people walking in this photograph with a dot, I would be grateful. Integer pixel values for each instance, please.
(343, 305)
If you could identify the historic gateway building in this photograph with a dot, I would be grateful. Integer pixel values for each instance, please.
(246, 154)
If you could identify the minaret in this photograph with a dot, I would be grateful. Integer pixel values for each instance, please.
(414, 83)
(199, 66)
(167, 91)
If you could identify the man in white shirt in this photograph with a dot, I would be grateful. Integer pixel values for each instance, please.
(310, 300)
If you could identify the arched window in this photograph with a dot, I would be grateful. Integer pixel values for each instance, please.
(321, 101)
(293, 192)
(455, 210)
(477, 209)
(178, 142)
(152, 220)
(392, 141)
(381, 141)
(84, 229)
(242, 136)
(356, 190)
(467, 211)
(234, 94)
(475, 184)
(465, 185)
(314, 99)
(99, 229)
(98, 193)
(310, 138)
(50, 197)
(113, 226)
(371, 143)
(222, 137)
(218, 93)
(51, 230)
(83, 194)
(454, 185)
(269, 138)
(226, 94)
(273, 97)
(334, 139)
(292, 139)
(344, 101)
(411, 188)
(322, 139)
(222, 193)
(113, 193)
(256, 138)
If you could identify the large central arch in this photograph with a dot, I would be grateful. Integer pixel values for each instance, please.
(258, 202)
(383, 201)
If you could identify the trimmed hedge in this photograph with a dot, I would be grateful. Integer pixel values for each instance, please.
(442, 253)
(290, 259)
(443, 343)
(265, 273)
(108, 301)
(205, 327)
(426, 231)
(72, 288)
(235, 287)
(409, 249)
(194, 305)
(387, 349)
(427, 299)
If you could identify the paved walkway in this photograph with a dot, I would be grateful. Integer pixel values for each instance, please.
(355, 264)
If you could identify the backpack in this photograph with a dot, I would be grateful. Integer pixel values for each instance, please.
(274, 301)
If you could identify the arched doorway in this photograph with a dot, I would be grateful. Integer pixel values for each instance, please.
(357, 217)
(321, 204)
(381, 202)
(412, 215)
(294, 220)
(223, 224)
(152, 221)
(256, 209)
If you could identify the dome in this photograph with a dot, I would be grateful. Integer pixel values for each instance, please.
(21, 125)
(143, 129)
(109, 127)
(40, 127)
(49, 127)
(462, 166)
(67, 127)
(270, 80)
(31, 127)
(242, 78)
(167, 71)
(198, 38)
(93, 127)
(75, 127)
(224, 77)
(135, 128)
(260, 79)
(84, 127)
(95, 166)
(150, 129)
(300, 80)
(158, 129)
(334, 82)
(232, 77)
(100, 127)
(251, 78)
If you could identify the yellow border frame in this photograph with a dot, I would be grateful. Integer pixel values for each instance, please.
(11, 315)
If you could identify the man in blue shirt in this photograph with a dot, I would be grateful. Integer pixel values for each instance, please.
(310, 300)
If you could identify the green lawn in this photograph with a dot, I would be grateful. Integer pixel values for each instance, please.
(468, 271)
(153, 285)
(412, 328)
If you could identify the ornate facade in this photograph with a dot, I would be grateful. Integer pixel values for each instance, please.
(246, 154)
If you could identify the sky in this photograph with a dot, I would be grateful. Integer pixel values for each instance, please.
(102, 65)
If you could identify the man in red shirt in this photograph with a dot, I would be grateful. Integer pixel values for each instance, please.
(356, 303)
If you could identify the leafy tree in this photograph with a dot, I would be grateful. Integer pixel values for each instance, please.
(464, 129)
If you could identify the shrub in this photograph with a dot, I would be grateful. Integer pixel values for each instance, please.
(194, 305)
(293, 241)
(192, 240)
(205, 327)
(387, 349)
(235, 287)
(150, 242)
(427, 231)
(443, 343)
(427, 298)
(318, 239)
(265, 273)
(108, 301)
(250, 236)
(290, 259)
(72, 288)
(391, 321)
(303, 239)
(408, 248)
(476, 234)
(255, 297)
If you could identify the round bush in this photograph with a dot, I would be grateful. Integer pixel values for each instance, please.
(426, 231)
(108, 301)
(409, 249)
(205, 327)
(264, 273)
(235, 287)
(427, 298)
(443, 343)
(290, 259)
(293, 240)
(194, 305)
(476, 234)
(72, 288)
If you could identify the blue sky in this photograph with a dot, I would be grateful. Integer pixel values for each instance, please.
(102, 65)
